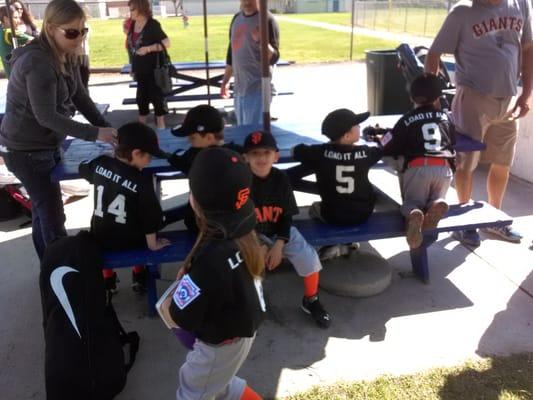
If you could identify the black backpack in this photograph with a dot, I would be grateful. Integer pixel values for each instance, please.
(84, 340)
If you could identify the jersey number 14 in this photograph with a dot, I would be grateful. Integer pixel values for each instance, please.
(117, 207)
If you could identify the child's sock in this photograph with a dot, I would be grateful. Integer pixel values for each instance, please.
(311, 285)
(249, 394)
(138, 269)
(108, 273)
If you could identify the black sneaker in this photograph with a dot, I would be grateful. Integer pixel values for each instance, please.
(312, 306)
(110, 283)
(138, 281)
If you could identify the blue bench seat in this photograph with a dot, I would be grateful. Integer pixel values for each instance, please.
(380, 225)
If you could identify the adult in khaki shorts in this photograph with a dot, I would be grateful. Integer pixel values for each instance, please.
(493, 48)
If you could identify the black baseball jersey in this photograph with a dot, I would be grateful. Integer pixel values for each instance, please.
(125, 205)
(182, 160)
(218, 299)
(422, 132)
(342, 178)
(274, 204)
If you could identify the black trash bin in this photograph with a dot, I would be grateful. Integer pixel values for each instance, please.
(386, 85)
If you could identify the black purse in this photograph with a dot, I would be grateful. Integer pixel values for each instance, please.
(164, 71)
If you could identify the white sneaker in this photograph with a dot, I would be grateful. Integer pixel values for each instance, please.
(329, 252)
(505, 232)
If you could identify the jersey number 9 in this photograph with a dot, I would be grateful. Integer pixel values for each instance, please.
(432, 137)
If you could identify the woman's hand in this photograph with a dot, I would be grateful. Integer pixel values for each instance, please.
(142, 51)
(224, 90)
(108, 135)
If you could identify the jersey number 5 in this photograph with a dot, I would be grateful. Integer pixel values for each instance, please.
(346, 183)
(117, 207)
(432, 137)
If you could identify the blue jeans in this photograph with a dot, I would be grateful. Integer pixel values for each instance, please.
(249, 109)
(33, 169)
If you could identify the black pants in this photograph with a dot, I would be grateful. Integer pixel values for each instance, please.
(148, 92)
(34, 169)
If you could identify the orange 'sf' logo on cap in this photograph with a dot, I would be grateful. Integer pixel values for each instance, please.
(256, 137)
(242, 198)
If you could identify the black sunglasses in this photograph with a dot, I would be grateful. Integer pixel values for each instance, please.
(72, 34)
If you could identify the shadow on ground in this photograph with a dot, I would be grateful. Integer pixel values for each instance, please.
(505, 376)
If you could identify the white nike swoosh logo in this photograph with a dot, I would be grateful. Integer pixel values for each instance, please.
(56, 281)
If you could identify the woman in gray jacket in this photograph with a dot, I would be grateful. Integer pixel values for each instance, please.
(43, 93)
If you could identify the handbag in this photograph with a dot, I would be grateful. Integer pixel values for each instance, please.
(164, 71)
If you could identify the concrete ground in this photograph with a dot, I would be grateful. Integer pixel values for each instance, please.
(478, 303)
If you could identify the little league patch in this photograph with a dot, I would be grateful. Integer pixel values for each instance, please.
(186, 292)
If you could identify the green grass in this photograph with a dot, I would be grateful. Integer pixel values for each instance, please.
(299, 43)
(417, 21)
(498, 378)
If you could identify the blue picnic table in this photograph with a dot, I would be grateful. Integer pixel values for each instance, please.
(382, 224)
(190, 81)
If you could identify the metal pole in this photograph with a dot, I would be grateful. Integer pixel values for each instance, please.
(265, 64)
(351, 36)
(206, 49)
(13, 27)
(405, 20)
(425, 20)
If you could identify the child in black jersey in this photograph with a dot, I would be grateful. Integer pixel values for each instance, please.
(127, 213)
(274, 207)
(203, 127)
(219, 298)
(424, 137)
(341, 167)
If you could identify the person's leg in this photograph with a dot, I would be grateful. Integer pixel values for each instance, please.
(471, 115)
(160, 105)
(33, 169)
(252, 109)
(497, 183)
(143, 97)
(238, 103)
(436, 206)
(305, 260)
(501, 144)
(209, 371)
(470, 120)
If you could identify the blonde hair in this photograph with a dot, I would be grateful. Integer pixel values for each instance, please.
(248, 245)
(59, 12)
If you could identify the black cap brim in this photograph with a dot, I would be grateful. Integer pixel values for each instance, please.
(179, 131)
(160, 154)
(361, 117)
(233, 224)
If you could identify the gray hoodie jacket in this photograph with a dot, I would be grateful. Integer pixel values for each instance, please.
(41, 101)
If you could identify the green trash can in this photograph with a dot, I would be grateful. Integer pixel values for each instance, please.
(386, 87)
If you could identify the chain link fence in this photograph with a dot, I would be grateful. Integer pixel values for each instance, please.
(417, 17)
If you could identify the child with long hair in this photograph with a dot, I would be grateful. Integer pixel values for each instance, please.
(219, 298)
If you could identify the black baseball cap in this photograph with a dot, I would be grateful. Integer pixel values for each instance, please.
(260, 140)
(201, 119)
(220, 181)
(340, 121)
(425, 88)
(135, 135)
